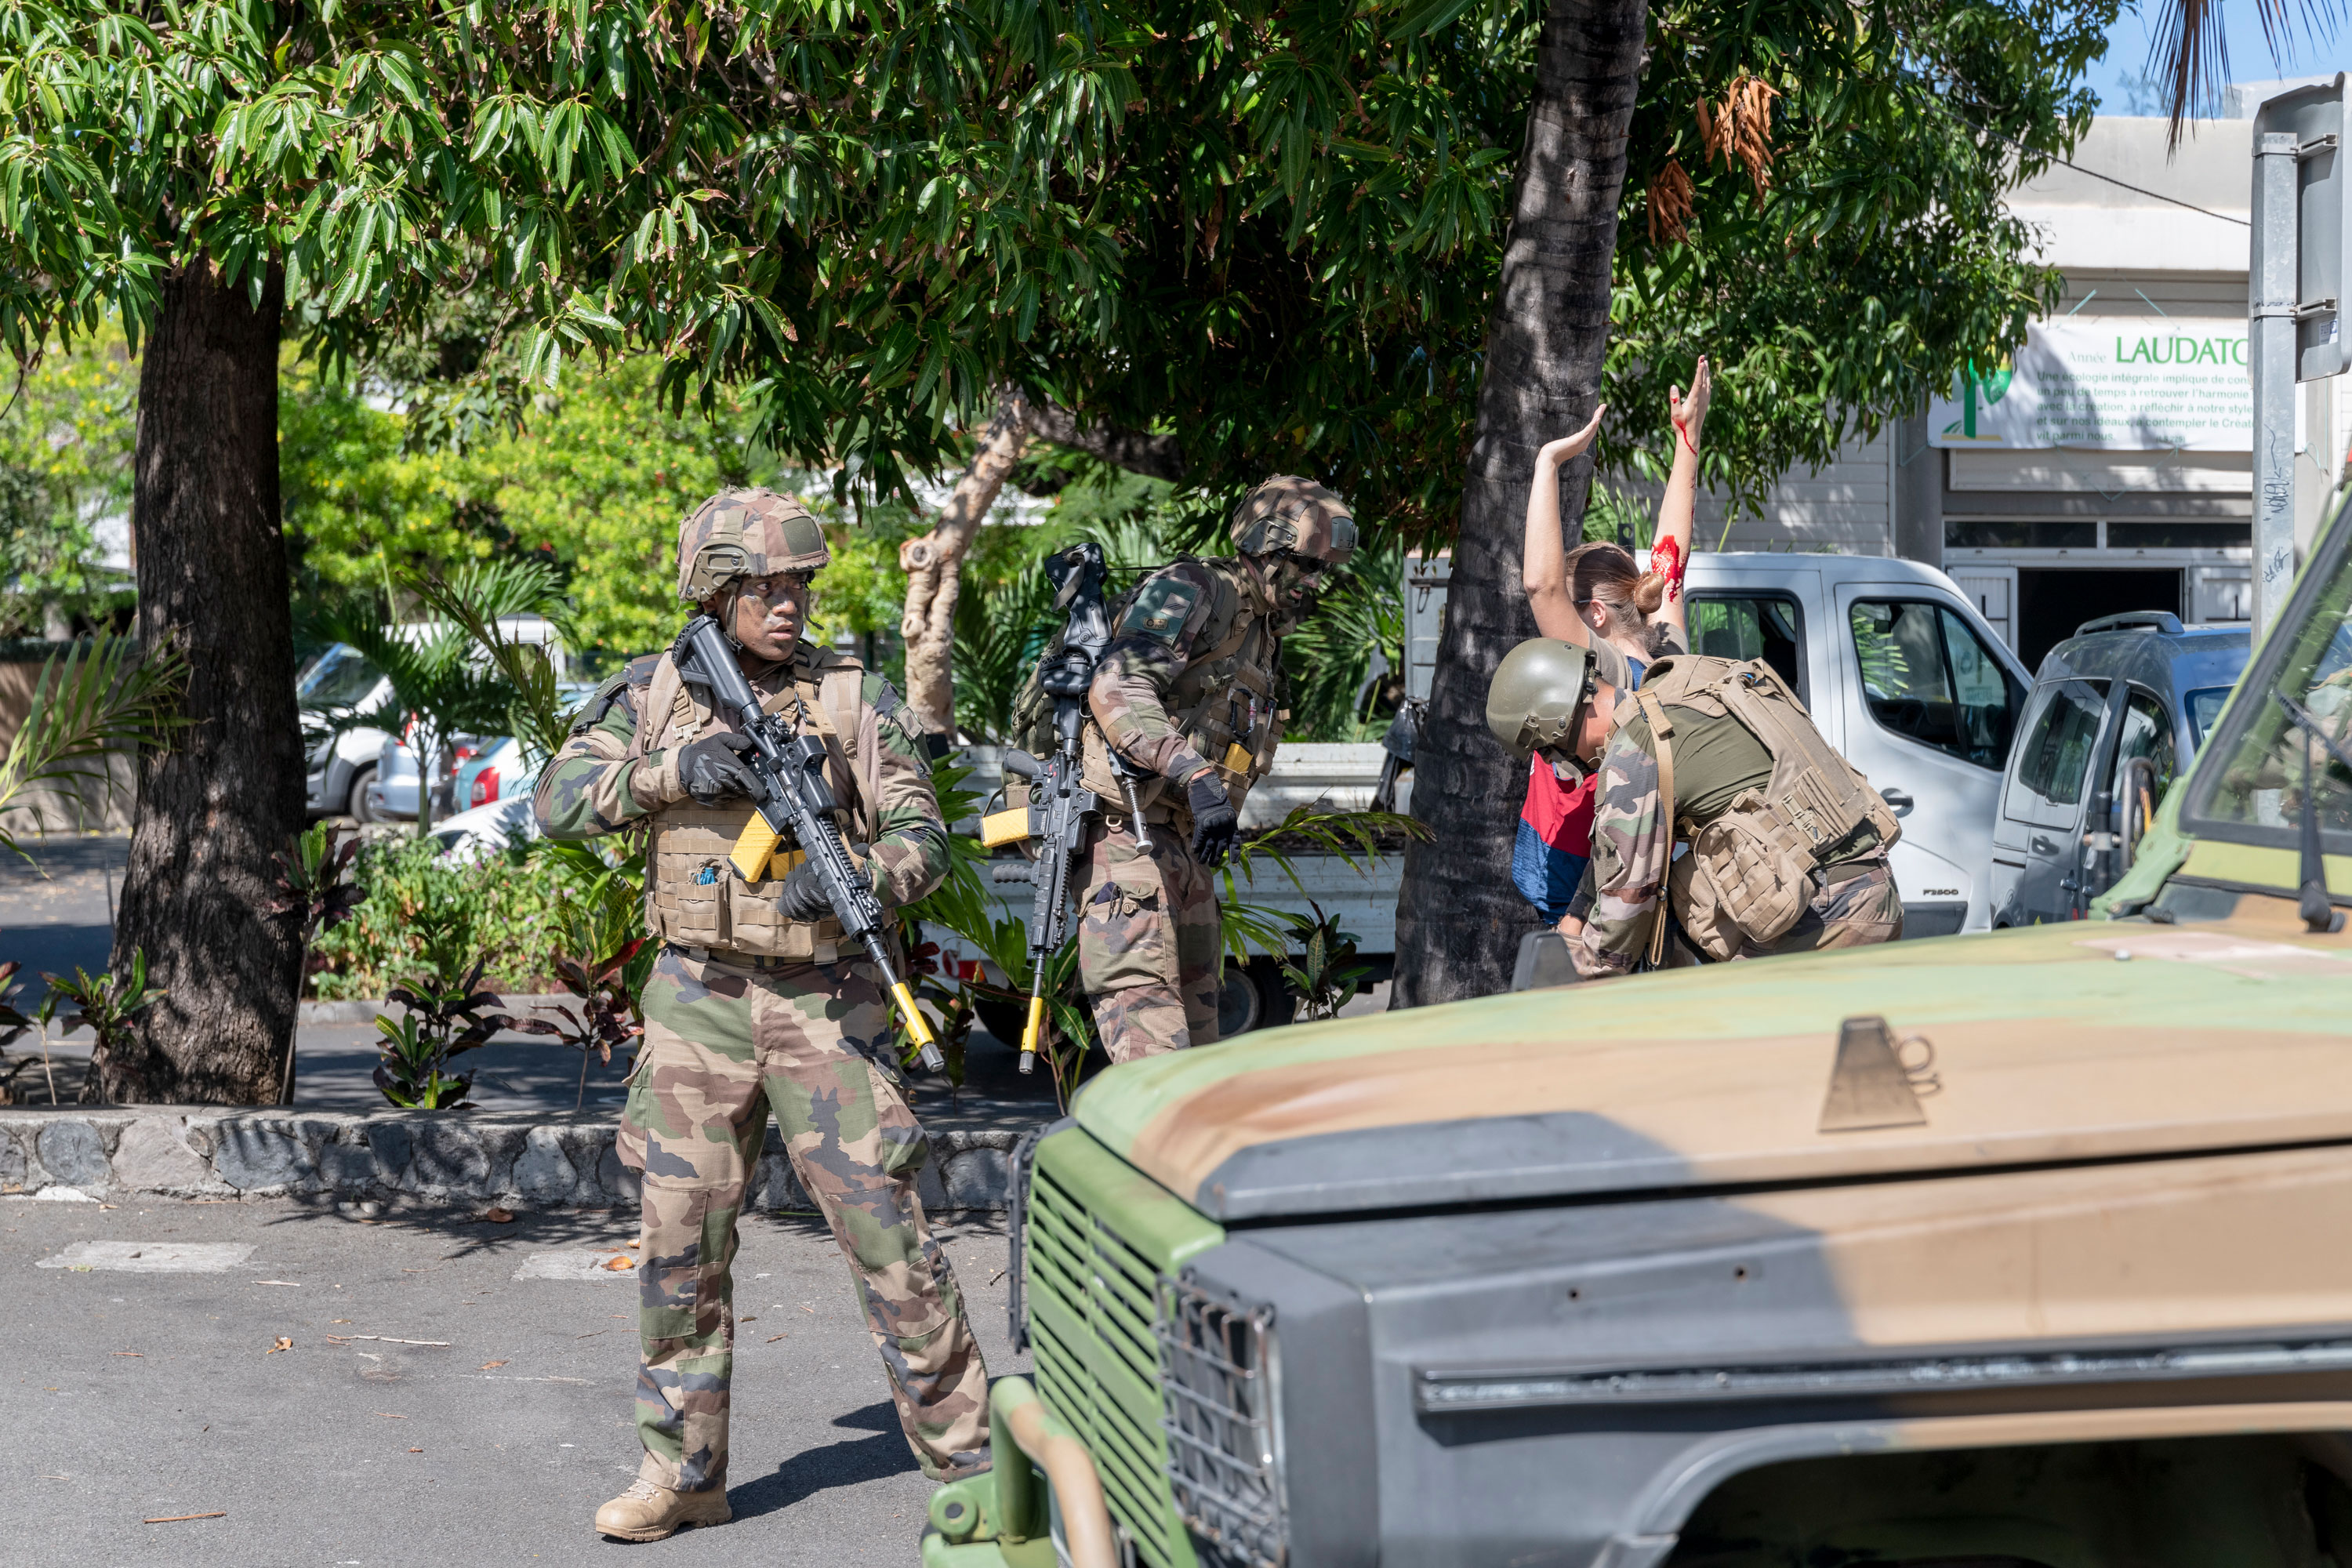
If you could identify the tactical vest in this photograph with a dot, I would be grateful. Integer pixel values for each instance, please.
(1223, 703)
(693, 896)
(1752, 871)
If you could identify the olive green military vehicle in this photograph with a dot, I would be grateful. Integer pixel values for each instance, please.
(2030, 1247)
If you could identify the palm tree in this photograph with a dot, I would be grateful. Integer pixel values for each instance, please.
(86, 704)
(462, 674)
(1458, 915)
(2190, 52)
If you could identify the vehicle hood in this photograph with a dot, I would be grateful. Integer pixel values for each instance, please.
(2094, 1040)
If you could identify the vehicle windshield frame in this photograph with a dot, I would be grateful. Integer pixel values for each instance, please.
(2250, 701)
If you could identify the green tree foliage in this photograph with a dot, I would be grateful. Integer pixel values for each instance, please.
(1312, 224)
(856, 215)
(65, 462)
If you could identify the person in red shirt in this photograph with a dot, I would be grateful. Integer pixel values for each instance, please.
(1598, 597)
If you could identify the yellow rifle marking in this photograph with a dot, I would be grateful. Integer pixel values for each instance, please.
(1003, 827)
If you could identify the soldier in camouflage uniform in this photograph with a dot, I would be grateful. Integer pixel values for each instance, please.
(755, 1003)
(1189, 693)
(1787, 841)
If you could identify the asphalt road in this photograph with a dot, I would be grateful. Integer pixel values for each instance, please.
(144, 1395)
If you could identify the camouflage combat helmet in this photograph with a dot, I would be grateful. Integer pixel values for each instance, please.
(1287, 512)
(745, 534)
(1536, 693)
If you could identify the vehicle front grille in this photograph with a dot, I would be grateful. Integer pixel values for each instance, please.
(1091, 1312)
(1220, 1418)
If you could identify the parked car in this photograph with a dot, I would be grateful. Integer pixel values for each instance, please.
(342, 763)
(2004, 1249)
(392, 795)
(2118, 711)
(495, 770)
(483, 830)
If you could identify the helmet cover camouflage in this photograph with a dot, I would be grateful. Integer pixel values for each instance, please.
(1287, 512)
(748, 532)
(1536, 693)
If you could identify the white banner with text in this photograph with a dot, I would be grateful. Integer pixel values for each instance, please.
(2108, 383)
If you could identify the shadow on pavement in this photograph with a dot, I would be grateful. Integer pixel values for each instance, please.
(534, 1230)
(848, 1463)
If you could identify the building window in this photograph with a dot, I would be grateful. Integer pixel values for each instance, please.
(2174, 535)
(2005, 534)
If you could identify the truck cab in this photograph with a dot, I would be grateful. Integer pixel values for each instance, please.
(2013, 1248)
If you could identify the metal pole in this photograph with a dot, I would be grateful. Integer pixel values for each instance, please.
(2271, 356)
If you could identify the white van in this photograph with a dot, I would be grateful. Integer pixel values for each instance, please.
(1906, 679)
(342, 765)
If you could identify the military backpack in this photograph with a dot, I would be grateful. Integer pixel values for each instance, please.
(1752, 871)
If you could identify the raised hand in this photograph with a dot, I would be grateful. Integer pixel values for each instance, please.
(1568, 447)
(1689, 411)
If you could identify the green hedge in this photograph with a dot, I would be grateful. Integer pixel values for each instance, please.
(506, 906)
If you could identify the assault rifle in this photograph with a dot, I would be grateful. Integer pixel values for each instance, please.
(1061, 808)
(794, 802)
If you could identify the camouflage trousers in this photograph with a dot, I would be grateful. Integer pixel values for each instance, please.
(725, 1044)
(1147, 944)
(1856, 912)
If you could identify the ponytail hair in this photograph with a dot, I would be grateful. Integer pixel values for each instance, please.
(1605, 574)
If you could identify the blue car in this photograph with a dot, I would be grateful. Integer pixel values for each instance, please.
(2116, 714)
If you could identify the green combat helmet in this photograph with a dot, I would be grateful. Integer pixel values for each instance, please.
(1536, 694)
(1287, 512)
(745, 534)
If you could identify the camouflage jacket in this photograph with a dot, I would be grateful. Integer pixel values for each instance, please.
(602, 782)
(1626, 877)
(1192, 677)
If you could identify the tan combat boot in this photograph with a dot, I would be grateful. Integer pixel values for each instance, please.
(649, 1513)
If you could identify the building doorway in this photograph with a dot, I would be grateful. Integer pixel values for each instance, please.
(2051, 601)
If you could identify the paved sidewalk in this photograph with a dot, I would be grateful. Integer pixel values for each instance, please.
(156, 1394)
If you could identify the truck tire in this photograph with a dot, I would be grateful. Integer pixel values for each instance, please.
(1255, 996)
(357, 806)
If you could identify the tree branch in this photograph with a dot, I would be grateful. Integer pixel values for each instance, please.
(1158, 457)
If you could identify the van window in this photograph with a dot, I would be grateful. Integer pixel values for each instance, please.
(2054, 759)
(1762, 626)
(1927, 675)
(2204, 706)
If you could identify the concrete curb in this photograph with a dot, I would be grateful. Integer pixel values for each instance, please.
(440, 1159)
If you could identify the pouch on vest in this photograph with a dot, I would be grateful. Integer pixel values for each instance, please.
(1747, 878)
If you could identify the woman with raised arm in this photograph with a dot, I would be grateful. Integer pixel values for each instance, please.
(1598, 597)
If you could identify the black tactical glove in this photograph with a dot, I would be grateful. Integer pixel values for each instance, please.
(712, 769)
(1214, 822)
(804, 896)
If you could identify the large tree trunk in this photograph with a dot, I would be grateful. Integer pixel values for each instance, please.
(219, 804)
(1458, 918)
(934, 563)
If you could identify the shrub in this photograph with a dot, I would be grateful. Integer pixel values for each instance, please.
(505, 910)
